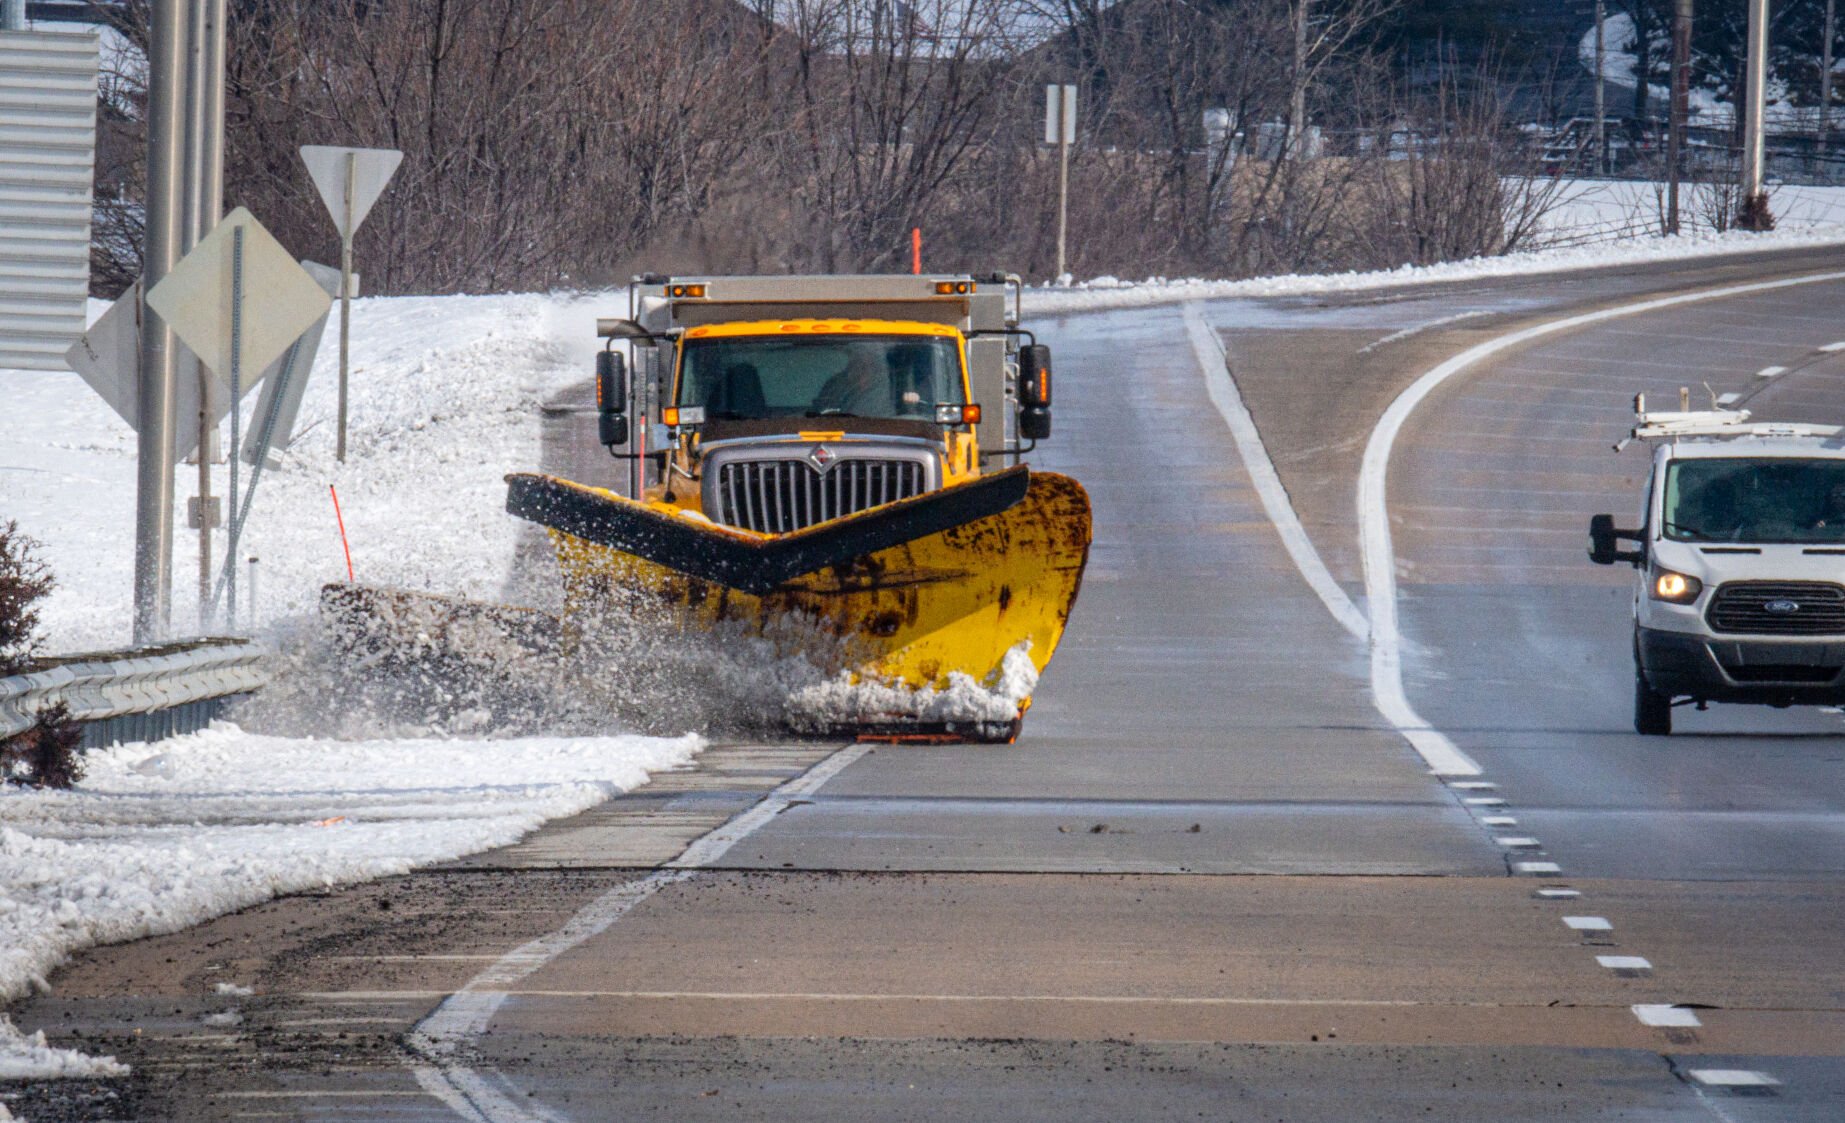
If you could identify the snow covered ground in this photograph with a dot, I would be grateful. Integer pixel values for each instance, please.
(1807, 217)
(159, 837)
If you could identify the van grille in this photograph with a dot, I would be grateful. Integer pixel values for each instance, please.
(1742, 606)
(778, 496)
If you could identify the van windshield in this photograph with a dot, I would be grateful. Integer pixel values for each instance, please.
(751, 377)
(1759, 499)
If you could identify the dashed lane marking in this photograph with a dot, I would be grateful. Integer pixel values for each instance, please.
(1624, 962)
(1589, 923)
(1732, 1078)
(1666, 1017)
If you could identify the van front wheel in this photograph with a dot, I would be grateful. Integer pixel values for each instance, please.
(1652, 710)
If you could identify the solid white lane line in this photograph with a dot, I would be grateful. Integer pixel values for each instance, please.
(439, 1039)
(1379, 553)
(1667, 1017)
(1209, 352)
(1589, 923)
(1624, 962)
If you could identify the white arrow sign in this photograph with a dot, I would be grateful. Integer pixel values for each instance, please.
(350, 180)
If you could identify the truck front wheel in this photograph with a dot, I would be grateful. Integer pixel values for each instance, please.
(1652, 710)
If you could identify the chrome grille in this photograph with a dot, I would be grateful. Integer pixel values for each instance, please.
(1742, 606)
(777, 496)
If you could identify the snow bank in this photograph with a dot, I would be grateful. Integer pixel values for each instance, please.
(445, 400)
(159, 837)
(1113, 292)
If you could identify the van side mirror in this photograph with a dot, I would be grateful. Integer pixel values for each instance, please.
(1604, 542)
(1035, 392)
(611, 398)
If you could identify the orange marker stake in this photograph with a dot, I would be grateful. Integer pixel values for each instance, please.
(342, 521)
(916, 249)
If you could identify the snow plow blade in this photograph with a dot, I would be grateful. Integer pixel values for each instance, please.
(929, 597)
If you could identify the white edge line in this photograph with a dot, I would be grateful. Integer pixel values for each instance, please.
(1444, 757)
(1280, 510)
(439, 1038)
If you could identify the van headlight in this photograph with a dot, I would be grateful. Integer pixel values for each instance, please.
(1677, 588)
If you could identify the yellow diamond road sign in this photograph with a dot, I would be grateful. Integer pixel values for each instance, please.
(280, 299)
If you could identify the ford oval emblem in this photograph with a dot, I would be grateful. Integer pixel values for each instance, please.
(1782, 607)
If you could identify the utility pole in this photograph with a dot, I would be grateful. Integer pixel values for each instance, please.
(1297, 100)
(1752, 212)
(154, 467)
(1825, 79)
(1681, 104)
(1601, 108)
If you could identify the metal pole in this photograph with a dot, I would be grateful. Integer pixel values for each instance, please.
(1825, 79)
(154, 467)
(192, 229)
(352, 175)
(1063, 196)
(12, 15)
(230, 558)
(1753, 213)
(1681, 101)
(1601, 108)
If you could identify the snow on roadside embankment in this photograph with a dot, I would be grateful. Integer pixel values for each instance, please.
(445, 397)
(162, 836)
(1817, 220)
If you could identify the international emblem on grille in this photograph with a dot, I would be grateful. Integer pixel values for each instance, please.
(821, 456)
(1782, 607)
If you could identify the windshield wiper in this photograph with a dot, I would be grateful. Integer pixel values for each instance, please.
(831, 413)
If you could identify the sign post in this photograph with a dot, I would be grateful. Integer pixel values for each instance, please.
(349, 181)
(1060, 130)
(204, 298)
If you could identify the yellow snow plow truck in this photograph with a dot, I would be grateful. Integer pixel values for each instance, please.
(834, 463)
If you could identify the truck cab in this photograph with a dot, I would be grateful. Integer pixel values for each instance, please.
(1740, 565)
(771, 405)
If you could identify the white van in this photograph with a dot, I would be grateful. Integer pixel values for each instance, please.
(1741, 557)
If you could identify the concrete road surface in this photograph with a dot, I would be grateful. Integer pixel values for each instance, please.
(1211, 881)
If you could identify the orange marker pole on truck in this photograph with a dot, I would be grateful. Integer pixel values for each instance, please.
(916, 249)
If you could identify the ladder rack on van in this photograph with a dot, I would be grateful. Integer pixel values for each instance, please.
(1673, 424)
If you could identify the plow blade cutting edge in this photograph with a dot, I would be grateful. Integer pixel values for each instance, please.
(972, 580)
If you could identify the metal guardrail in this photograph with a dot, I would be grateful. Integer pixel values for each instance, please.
(138, 694)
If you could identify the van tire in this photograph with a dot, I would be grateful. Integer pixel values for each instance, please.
(1652, 710)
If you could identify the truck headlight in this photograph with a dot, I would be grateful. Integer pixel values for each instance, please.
(1678, 588)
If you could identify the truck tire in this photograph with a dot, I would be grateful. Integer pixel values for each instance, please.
(1652, 710)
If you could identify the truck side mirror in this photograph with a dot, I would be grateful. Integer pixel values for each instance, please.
(611, 398)
(1035, 376)
(1035, 392)
(1604, 542)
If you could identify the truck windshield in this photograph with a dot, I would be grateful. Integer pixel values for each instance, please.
(1762, 499)
(748, 377)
